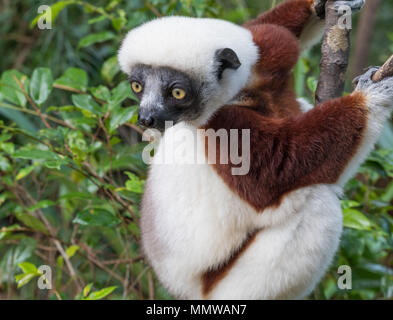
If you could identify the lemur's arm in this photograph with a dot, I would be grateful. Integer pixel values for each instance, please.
(323, 146)
(292, 14)
(298, 16)
(304, 18)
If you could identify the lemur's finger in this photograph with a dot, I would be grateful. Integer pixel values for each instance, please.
(364, 81)
(355, 81)
(354, 5)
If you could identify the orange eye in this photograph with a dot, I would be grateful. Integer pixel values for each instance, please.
(178, 93)
(136, 87)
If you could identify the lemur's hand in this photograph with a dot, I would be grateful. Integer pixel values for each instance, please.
(379, 93)
(355, 5)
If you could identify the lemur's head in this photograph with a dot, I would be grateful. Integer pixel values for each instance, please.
(184, 69)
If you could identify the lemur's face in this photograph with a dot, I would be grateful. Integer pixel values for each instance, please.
(184, 69)
(167, 94)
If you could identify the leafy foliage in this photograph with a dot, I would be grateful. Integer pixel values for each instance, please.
(71, 172)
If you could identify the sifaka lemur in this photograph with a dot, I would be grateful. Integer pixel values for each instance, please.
(270, 233)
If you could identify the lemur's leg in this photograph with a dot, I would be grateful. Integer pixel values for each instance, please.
(304, 18)
(322, 146)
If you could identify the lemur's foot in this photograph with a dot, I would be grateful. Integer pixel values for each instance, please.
(380, 93)
(354, 5)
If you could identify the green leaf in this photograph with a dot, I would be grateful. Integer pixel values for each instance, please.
(345, 204)
(73, 78)
(121, 92)
(109, 69)
(42, 205)
(28, 267)
(24, 278)
(78, 145)
(96, 19)
(54, 164)
(71, 250)
(41, 85)
(31, 222)
(312, 84)
(10, 89)
(19, 118)
(57, 134)
(96, 217)
(356, 220)
(87, 289)
(59, 269)
(119, 22)
(77, 195)
(24, 172)
(36, 154)
(54, 11)
(387, 195)
(7, 147)
(5, 136)
(120, 116)
(85, 102)
(95, 38)
(5, 164)
(97, 295)
(134, 184)
(101, 92)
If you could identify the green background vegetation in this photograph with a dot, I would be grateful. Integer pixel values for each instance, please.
(71, 173)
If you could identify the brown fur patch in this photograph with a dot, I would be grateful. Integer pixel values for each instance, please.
(211, 278)
(271, 92)
(293, 152)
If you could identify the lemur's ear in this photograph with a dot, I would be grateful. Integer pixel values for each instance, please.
(226, 58)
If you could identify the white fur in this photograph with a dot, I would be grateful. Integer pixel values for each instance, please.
(168, 42)
(304, 104)
(200, 222)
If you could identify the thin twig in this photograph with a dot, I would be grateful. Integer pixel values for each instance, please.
(136, 128)
(68, 263)
(98, 263)
(153, 9)
(56, 120)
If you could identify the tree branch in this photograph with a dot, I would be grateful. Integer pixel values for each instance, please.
(385, 71)
(335, 55)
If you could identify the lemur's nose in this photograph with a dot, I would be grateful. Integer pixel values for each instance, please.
(146, 120)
